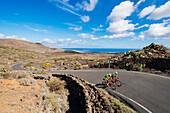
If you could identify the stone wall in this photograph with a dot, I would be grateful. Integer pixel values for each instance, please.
(84, 97)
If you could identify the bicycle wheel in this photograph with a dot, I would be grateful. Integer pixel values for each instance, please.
(118, 83)
(112, 86)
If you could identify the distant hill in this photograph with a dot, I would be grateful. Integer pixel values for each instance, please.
(21, 44)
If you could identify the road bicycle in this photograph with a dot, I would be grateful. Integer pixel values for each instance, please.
(117, 81)
(109, 84)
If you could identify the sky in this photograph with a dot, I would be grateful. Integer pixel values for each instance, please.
(87, 23)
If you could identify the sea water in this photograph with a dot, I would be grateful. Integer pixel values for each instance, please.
(101, 50)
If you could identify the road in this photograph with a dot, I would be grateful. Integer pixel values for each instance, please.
(143, 91)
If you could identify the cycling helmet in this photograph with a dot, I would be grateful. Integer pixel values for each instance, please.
(110, 74)
(116, 73)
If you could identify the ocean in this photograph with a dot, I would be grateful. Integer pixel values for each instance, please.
(100, 50)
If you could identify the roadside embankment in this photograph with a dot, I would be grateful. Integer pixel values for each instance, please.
(87, 98)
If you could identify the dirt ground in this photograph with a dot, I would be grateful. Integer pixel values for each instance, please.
(16, 98)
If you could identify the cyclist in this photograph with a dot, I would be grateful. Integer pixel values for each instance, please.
(107, 77)
(115, 75)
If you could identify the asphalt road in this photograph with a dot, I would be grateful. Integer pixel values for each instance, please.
(147, 92)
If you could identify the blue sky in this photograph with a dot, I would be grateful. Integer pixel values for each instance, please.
(87, 23)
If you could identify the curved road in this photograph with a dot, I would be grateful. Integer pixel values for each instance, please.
(143, 91)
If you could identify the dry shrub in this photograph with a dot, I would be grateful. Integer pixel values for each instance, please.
(56, 84)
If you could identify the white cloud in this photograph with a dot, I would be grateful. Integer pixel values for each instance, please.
(120, 35)
(2, 35)
(114, 36)
(86, 35)
(158, 30)
(145, 25)
(70, 24)
(76, 28)
(85, 18)
(63, 2)
(16, 37)
(63, 42)
(101, 25)
(87, 6)
(96, 29)
(161, 12)
(138, 3)
(120, 26)
(33, 29)
(12, 37)
(66, 9)
(140, 37)
(49, 41)
(121, 11)
(80, 42)
(146, 11)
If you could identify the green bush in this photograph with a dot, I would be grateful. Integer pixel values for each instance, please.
(47, 65)
(2, 70)
(56, 84)
(51, 99)
(72, 59)
(78, 65)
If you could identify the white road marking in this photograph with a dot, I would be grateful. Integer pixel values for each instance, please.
(133, 101)
(150, 74)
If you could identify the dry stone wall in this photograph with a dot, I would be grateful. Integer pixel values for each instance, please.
(84, 97)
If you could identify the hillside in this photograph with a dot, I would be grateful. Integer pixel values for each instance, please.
(21, 44)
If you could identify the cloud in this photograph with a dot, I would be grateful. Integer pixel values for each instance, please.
(49, 41)
(161, 30)
(2, 35)
(63, 2)
(101, 25)
(76, 28)
(70, 9)
(120, 26)
(87, 6)
(146, 11)
(138, 3)
(15, 37)
(157, 31)
(80, 42)
(140, 37)
(63, 42)
(145, 25)
(86, 35)
(161, 12)
(114, 36)
(33, 29)
(66, 9)
(120, 35)
(121, 11)
(85, 18)
(96, 29)
(70, 24)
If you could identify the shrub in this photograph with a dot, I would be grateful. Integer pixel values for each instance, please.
(55, 84)
(2, 70)
(51, 99)
(7, 75)
(47, 65)
(78, 65)
(28, 65)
